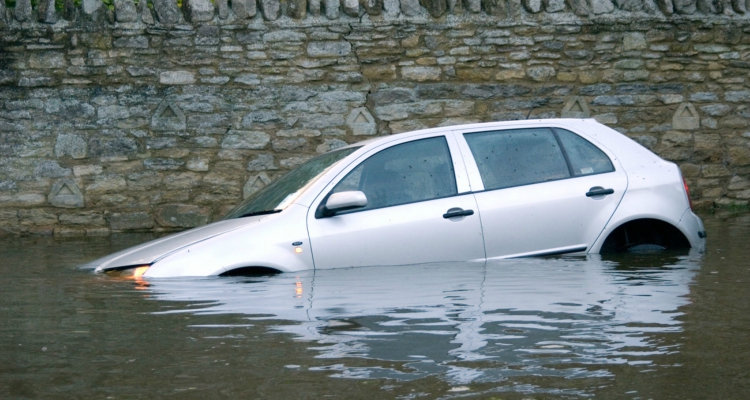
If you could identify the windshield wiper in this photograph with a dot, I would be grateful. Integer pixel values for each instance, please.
(264, 212)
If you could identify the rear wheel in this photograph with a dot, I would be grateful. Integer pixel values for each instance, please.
(644, 235)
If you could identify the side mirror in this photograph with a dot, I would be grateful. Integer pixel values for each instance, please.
(342, 201)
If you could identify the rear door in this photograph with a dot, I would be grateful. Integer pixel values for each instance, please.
(419, 210)
(542, 190)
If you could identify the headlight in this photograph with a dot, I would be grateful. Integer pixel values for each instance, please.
(135, 273)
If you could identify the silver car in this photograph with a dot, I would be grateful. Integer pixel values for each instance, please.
(458, 193)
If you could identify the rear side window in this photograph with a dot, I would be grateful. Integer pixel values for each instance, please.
(585, 158)
(517, 157)
(405, 173)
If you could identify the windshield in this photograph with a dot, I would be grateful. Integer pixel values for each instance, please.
(280, 193)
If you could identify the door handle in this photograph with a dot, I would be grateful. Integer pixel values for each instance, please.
(599, 191)
(457, 212)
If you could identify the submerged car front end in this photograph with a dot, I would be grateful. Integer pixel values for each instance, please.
(276, 241)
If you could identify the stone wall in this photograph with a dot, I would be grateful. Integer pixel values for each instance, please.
(151, 117)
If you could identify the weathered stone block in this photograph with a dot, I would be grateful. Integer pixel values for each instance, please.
(109, 183)
(167, 11)
(686, 117)
(108, 147)
(331, 8)
(22, 200)
(674, 138)
(328, 49)
(263, 162)
(198, 10)
(350, 7)
(236, 139)
(270, 9)
(177, 78)
(51, 169)
(411, 8)
(421, 74)
(168, 117)
(576, 107)
(65, 193)
(145, 13)
(130, 221)
(532, 6)
(361, 122)
(125, 11)
(163, 164)
(330, 144)
(46, 11)
(244, 9)
(22, 12)
(541, 74)
(289, 144)
(553, 6)
(372, 7)
(436, 8)
(737, 96)
(70, 145)
(183, 216)
(36, 217)
(602, 6)
(715, 171)
(254, 184)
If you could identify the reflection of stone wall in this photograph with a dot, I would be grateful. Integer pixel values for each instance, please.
(137, 119)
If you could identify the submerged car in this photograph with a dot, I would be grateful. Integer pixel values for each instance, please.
(458, 193)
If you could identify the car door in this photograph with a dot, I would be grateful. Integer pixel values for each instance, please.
(419, 209)
(544, 190)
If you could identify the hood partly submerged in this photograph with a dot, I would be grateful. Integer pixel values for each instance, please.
(149, 252)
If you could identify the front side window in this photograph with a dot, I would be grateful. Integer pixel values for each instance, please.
(405, 173)
(519, 157)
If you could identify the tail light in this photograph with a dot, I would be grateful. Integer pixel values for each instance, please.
(687, 192)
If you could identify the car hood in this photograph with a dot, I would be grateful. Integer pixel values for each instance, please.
(149, 252)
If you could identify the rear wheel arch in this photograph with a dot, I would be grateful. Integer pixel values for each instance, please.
(644, 233)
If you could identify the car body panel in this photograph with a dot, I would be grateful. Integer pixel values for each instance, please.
(268, 243)
(535, 219)
(557, 216)
(403, 234)
(147, 253)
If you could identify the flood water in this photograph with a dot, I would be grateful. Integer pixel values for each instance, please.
(665, 326)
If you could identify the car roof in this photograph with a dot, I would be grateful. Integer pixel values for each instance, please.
(571, 122)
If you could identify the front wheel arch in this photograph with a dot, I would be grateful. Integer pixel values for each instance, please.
(644, 232)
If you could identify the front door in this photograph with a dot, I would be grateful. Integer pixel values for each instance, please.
(416, 213)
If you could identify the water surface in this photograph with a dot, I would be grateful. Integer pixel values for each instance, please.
(667, 326)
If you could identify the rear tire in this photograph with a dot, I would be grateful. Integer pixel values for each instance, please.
(644, 236)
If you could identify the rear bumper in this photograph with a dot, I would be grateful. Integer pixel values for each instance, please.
(692, 226)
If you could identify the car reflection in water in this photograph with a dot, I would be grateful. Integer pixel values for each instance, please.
(474, 322)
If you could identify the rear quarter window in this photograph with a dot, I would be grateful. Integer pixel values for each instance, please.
(584, 157)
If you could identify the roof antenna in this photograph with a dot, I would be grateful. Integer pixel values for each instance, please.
(533, 104)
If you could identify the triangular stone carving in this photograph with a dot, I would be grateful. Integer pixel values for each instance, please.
(686, 118)
(577, 107)
(168, 117)
(254, 184)
(361, 122)
(66, 194)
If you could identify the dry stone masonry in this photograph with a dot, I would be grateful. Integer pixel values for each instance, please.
(153, 116)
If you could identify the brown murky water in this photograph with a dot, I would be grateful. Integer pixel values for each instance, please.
(650, 326)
